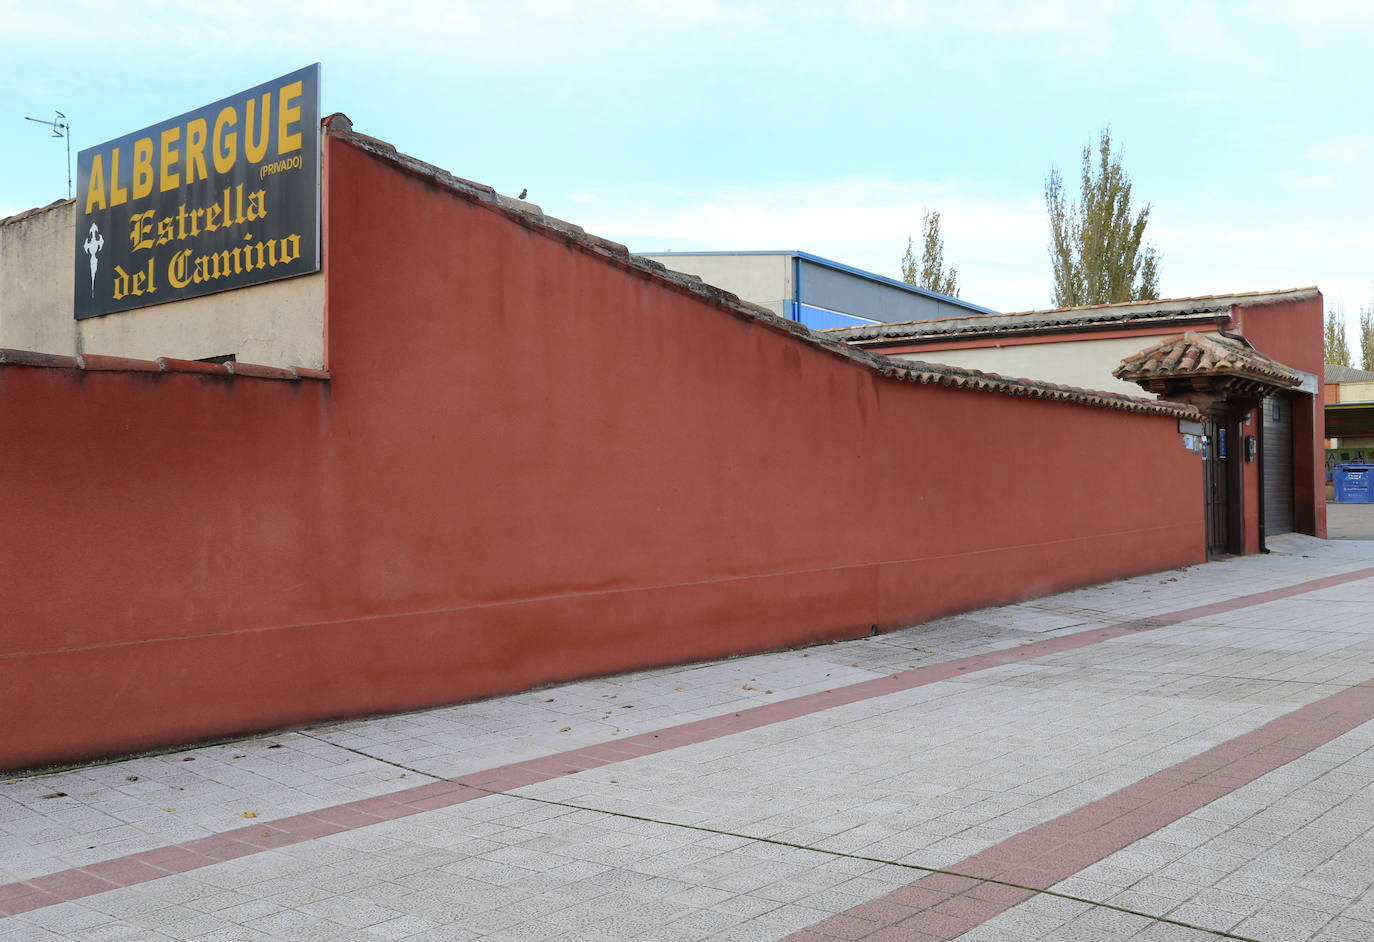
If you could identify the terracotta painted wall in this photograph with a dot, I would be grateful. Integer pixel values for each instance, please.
(531, 464)
(1291, 332)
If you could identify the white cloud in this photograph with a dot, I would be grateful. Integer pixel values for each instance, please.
(477, 84)
(997, 242)
(1345, 151)
(1309, 13)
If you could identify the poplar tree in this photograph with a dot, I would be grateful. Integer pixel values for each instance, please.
(930, 273)
(1337, 350)
(1367, 337)
(1096, 246)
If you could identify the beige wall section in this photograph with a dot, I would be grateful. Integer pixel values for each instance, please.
(764, 279)
(280, 323)
(1087, 364)
(1355, 392)
(35, 287)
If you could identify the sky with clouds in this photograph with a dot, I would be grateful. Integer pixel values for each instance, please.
(826, 127)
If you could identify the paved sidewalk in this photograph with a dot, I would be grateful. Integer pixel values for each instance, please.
(1350, 521)
(1181, 756)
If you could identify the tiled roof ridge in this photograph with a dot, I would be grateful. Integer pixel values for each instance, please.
(1010, 323)
(1335, 373)
(531, 216)
(1159, 308)
(956, 326)
(93, 363)
(37, 210)
(962, 378)
(1276, 294)
(1192, 353)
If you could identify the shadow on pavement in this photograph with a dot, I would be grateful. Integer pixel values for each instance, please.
(1349, 521)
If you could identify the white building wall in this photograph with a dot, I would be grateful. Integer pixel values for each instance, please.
(764, 279)
(1087, 364)
(280, 323)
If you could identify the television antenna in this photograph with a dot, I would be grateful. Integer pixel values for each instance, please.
(61, 128)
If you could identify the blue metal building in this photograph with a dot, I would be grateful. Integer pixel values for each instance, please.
(816, 291)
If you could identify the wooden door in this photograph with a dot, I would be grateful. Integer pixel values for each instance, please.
(1216, 452)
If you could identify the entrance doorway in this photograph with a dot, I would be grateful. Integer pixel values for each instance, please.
(1214, 483)
(1276, 469)
(1221, 479)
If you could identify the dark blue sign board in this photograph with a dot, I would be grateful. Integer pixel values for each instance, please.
(1353, 485)
(221, 197)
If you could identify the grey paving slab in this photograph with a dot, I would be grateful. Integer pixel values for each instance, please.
(84, 815)
(1288, 857)
(105, 814)
(931, 775)
(542, 872)
(1350, 521)
(762, 833)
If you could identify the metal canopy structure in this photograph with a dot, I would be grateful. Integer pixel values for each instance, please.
(1349, 419)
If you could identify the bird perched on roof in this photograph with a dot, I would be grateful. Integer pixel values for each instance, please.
(522, 194)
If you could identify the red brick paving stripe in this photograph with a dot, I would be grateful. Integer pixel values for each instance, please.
(308, 827)
(219, 847)
(347, 818)
(1012, 858)
(125, 871)
(428, 791)
(171, 859)
(16, 898)
(949, 905)
(435, 802)
(1272, 595)
(142, 867)
(71, 884)
(266, 837)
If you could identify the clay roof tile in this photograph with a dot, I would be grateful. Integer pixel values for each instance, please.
(1195, 354)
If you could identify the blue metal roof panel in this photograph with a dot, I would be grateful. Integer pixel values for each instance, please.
(848, 269)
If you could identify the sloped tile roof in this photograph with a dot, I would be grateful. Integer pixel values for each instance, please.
(1194, 354)
(1334, 373)
(1133, 312)
(916, 371)
(20, 217)
(96, 363)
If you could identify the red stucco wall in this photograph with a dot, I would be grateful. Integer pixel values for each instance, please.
(531, 464)
(1291, 332)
